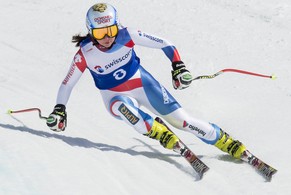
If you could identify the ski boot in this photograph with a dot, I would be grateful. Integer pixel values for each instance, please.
(160, 132)
(227, 144)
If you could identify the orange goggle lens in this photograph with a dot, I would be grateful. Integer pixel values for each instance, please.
(100, 33)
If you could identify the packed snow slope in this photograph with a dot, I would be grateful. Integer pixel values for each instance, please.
(98, 154)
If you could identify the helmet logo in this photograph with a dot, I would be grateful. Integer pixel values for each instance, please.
(102, 20)
(100, 7)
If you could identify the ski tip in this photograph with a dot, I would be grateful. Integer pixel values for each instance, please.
(270, 177)
(202, 172)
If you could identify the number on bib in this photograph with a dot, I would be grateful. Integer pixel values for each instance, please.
(119, 74)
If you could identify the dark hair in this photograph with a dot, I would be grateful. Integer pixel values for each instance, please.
(79, 38)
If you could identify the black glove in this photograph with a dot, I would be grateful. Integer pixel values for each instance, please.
(182, 78)
(57, 120)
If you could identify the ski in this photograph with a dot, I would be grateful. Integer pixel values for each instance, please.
(199, 167)
(261, 167)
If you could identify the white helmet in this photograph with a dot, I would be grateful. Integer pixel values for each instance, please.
(101, 15)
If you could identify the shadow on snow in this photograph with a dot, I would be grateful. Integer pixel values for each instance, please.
(85, 143)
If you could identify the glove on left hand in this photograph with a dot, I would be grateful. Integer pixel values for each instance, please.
(182, 78)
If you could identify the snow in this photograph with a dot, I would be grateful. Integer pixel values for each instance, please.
(100, 155)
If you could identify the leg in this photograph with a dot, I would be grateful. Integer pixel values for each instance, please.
(161, 102)
(208, 133)
(125, 108)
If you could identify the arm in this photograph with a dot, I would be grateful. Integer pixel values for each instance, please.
(57, 120)
(181, 77)
(76, 70)
(152, 41)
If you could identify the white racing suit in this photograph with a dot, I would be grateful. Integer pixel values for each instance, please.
(125, 85)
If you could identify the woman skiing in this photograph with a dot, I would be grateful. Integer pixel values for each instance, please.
(107, 51)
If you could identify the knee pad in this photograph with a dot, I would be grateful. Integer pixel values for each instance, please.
(125, 108)
(217, 135)
(117, 101)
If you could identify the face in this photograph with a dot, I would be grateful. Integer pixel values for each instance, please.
(106, 41)
(105, 36)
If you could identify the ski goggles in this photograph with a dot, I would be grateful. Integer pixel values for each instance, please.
(100, 33)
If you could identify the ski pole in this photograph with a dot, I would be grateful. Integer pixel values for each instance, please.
(28, 110)
(273, 77)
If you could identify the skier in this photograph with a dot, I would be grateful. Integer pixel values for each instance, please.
(107, 51)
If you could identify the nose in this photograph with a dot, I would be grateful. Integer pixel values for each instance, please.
(106, 37)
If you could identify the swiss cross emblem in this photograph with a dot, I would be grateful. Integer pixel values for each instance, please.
(78, 58)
